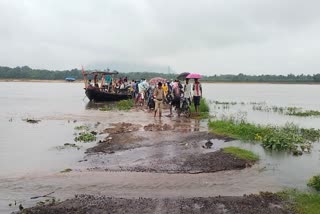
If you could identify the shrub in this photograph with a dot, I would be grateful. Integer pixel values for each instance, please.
(314, 182)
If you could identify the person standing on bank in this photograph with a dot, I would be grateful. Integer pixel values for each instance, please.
(158, 95)
(197, 94)
(187, 91)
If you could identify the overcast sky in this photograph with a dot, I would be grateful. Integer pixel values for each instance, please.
(208, 37)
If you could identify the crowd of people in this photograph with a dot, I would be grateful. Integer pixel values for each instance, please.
(171, 93)
(154, 95)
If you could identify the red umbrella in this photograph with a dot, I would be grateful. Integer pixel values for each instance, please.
(194, 76)
(155, 80)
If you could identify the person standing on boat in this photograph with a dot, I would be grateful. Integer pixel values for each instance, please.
(197, 94)
(158, 95)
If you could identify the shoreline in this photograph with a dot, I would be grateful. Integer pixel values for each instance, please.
(209, 82)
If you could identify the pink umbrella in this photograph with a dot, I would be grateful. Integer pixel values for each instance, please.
(194, 76)
(155, 80)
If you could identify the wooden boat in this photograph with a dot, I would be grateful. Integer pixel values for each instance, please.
(101, 91)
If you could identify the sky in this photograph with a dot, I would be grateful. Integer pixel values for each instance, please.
(204, 36)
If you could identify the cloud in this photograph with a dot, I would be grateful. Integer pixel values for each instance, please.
(210, 37)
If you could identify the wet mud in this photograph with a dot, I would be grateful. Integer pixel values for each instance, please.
(159, 149)
(263, 203)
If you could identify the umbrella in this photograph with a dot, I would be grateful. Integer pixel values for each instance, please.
(155, 80)
(183, 75)
(194, 76)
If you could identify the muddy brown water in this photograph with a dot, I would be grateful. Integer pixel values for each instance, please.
(30, 164)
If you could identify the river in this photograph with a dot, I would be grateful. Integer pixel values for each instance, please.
(30, 161)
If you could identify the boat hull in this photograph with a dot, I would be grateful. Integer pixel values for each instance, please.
(102, 96)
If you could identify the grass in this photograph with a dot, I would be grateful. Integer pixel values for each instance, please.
(83, 127)
(203, 109)
(241, 153)
(85, 137)
(302, 203)
(123, 105)
(289, 137)
(242, 130)
(314, 182)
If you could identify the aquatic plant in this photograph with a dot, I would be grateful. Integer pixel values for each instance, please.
(301, 202)
(289, 137)
(314, 182)
(239, 130)
(28, 120)
(83, 127)
(85, 137)
(225, 103)
(241, 153)
(307, 113)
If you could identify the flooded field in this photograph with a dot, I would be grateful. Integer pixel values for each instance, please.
(32, 155)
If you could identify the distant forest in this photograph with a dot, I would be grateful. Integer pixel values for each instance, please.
(26, 72)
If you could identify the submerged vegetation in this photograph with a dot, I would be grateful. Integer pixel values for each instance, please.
(314, 182)
(262, 106)
(83, 127)
(241, 153)
(307, 113)
(289, 137)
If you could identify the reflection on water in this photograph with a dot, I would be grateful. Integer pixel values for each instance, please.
(96, 105)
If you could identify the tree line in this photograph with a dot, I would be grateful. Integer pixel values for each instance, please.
(26, 72)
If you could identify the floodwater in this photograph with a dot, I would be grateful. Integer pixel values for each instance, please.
(30, 162)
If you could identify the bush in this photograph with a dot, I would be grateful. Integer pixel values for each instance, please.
(85, 137)
(314, 182)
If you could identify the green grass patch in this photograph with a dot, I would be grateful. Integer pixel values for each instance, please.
(289, 137)
(302, 203)
(123, 105)
(314, 182)
(203, 110)
(241, 153)
(241, 130)
(106, 108)
(83, 127)
(85, 137)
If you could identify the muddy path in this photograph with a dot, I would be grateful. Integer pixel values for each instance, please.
(263, 203)
(157, 159)
(160, 148)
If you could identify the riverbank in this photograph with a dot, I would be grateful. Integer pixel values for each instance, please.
(264, 203)
(36, 80)
(203, 81)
